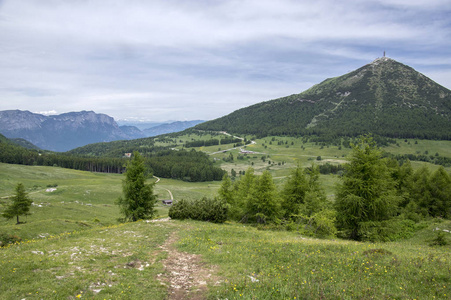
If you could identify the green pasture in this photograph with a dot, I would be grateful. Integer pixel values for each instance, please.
(123, 261)
(284, 265)
(115, 262)
(73, 247)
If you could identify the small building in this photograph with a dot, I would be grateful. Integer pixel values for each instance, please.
(167, 202)
(128, 155)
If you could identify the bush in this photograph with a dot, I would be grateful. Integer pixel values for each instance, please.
(180, 210)
(439, 239)
(205, 209)
(389, 230)
(6, 239)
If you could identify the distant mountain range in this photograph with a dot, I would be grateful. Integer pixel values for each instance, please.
(384, 97)
(75, 129)
(170, 127)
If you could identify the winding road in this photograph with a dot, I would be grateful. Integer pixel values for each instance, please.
(170, 194)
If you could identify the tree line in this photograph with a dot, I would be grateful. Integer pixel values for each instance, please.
(185, 165)
(213, 142)
(377, 199)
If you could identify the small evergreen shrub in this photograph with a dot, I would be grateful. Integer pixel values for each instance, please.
(6, 239)
(439, 239)
(204, 209)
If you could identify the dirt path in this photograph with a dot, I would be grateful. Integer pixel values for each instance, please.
(170, 194)
(185, 274)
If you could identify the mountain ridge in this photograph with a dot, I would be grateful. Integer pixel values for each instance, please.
(383, 97)
(71, 130)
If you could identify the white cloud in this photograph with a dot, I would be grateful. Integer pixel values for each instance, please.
(175, 59)
(47, 113)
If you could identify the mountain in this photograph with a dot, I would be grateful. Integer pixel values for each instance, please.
(132, 132)
(141, 125)
(23, 143)
(60, 132)
(170, 127)
(384, 97)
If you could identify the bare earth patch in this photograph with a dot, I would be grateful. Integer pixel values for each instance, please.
(186, 275)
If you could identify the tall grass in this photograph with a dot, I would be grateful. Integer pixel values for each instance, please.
(282, 265)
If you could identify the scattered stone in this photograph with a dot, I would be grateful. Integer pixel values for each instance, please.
(185, 274)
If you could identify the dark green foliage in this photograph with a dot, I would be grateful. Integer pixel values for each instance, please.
(329, 168)
(433, 159)
(430, 194)
(20, 205)
(294, 192)
(262, 203)
(202, 143)
(186, 165)
(117, 148)
(108, 158)
(320, 224)
(439, 239)
(204, 209)
(180, 210)
(138, 201)
(305, 205)
(13, 154)
(367, 197)
(302, 194)
(385, 98)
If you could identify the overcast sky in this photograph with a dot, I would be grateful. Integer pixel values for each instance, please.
(185, 60)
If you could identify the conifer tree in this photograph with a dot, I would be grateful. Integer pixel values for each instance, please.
(440, 184)
(20, 205)
(294, 191)
(139, 200)
(367, 195)
(262, 202)
(241, 191)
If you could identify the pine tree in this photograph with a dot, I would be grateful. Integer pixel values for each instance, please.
(367, 195)
(20, 205)
(262, 202)
(138, 201)
(440, 185)
(294, 191)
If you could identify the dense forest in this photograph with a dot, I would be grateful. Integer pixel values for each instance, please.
(109, 158)
(186, 165)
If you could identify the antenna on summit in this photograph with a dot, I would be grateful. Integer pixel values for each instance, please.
(384, 53)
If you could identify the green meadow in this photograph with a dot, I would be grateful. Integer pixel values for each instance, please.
(73, 246)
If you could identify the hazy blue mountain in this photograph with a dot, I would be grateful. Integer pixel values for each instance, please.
(170, 127)
(60, 132)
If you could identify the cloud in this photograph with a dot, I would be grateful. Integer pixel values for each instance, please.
(47, 113)
(198, 60)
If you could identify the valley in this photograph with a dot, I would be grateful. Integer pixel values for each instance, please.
(73, 247)
(293, 222)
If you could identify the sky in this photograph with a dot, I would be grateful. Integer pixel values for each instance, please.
(200, 60)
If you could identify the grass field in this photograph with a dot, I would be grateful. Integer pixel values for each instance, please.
(126, 261)
(283, 265)
(81, 200)
(73, 246)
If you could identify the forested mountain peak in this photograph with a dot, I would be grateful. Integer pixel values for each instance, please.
(384, 97)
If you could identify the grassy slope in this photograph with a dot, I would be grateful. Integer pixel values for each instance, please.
(103, 263)
(76, 254)
(82, 200)
(79, 264)
(288, 266)
(294, 152)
